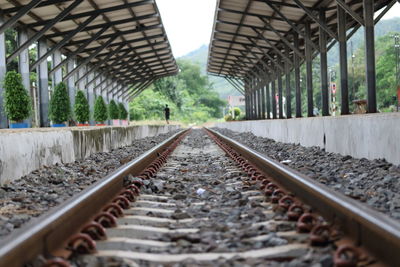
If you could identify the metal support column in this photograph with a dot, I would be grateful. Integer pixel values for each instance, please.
(297, 85)
(324, 65)
(57, 75)
(287, 82)
(259, 99)
(370, 55)
(71, 83)
(309, 74)
(43, 86)
(3, 70)
(268, 99)
(262, 100)
(81, 73)
(273, 98)
(91, 99)
(23, 65)
(344, 91)
(280, 91)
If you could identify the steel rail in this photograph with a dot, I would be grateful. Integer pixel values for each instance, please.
(369, 229)
(51, 231)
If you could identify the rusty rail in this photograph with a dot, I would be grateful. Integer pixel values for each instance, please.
(369, 229)
(49, 232)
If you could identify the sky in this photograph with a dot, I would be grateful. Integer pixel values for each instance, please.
(189, 23)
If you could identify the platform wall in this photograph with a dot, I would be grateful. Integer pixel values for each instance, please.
(369, 136)
(22, 151)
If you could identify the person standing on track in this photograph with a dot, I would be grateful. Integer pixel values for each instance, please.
(166, 112)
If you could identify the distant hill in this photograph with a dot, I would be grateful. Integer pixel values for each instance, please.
(221, 86)
(224, 89)
(382, 28)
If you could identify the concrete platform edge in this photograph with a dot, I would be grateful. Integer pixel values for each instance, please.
(23, 151)
(371, 136)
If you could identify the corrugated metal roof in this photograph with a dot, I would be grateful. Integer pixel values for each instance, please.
(135, 25)
(248, 32)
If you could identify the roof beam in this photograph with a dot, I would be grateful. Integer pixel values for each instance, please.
(95, 11)
(22, 11)
(63, 41)
(292, 24)
(315, 19)
(101, 25)
(80, 49)
(157, 26)
(40, 33)
(93, 55)
(351, 12)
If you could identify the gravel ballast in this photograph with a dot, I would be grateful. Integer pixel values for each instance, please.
(39, 191)
(202, 190)
(374, 182)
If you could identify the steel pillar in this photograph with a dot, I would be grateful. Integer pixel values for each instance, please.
(262, 100)
(344, 91)
(43, 86)
(71, 83)
(273, 98)
(3, 70)
(81, 73)
(324, 65)
(57, 75)
(268, 99)
(287, 82)
(370, 55)
(296, 61)
(309, 74)
(23, 65)
(259, 100)
(91, 99)
(280, 92)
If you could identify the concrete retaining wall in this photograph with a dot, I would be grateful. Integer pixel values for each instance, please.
(370, 136)
(22, 151)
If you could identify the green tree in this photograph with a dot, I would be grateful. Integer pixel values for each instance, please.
(113, 111)
(189, 94)
(122, 112)
(17, 102)
(81, 107)
(100, 110)
(59, 108)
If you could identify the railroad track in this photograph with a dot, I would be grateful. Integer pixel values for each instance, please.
(199, 207)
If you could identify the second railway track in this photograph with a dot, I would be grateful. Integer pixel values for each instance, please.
(201, 208)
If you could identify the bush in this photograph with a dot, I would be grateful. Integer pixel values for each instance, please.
(237, 112)
(17, 102)
(228, 117)
(113, 111)
(100, 110)
(59, 109)
(123, 114)
(81, 107)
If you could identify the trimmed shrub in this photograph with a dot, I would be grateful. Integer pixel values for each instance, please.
(17, 102)
(113, 111)
(100, 110)
(228, 117)
(123, 113)
(81, 107)
(59, 108)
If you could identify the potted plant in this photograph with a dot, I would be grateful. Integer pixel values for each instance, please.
(81, 109)
(100, 111)
(113, 112)
(17, 102)
(59, 108)
(123, 114)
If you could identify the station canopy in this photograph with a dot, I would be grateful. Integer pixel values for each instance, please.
(247, 33)
(125, 37)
